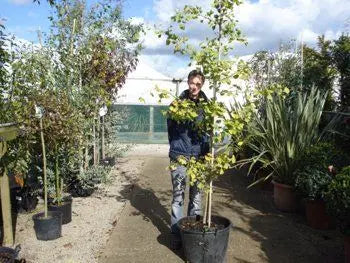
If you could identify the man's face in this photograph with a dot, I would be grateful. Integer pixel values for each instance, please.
(194, 85)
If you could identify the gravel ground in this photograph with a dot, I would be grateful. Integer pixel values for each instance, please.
(93, 219)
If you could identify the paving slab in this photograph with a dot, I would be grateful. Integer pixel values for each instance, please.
(260, 234)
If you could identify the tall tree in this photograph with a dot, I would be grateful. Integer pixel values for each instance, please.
(341, 59)
(319, 71)
(213, 56)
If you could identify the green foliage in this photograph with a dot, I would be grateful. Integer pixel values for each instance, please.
(312, 182)
(318, 69)
(4, 55)
(78, 68)
(341, 59)
(324, 154)
(338, 198)
(213, 56)
(183, 110)
(84, 184)
(288, 131)
(207, 168)
(62, 122)
(282, 68)
(313, 175)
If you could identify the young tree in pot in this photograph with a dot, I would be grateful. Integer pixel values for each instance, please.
(311, 182)
(62, 129)
(29, 77)
(313, 177)
(47, 225)
(206, 240)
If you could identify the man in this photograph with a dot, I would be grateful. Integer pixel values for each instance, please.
(185, 140)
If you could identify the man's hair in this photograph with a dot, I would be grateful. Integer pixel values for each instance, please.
(195, 73)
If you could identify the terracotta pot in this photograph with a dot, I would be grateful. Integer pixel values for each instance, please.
(347, 249)
(316, 214)
(284, 197)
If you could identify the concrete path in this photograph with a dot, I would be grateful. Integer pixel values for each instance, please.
(260, 233)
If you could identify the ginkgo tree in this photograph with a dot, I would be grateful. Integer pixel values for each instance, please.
(214, 56)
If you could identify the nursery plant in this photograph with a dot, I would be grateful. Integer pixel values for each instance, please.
(94, 60)
(213, 56)
(311, 182)
(338, 203)
(47, 225)
(316, 167)
(338, 198)
(287, 132)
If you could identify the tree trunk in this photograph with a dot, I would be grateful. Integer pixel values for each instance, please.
(57, 177)
(44, 165)
(98, 131)
(94, 141)
(103, 138)
(86, 157)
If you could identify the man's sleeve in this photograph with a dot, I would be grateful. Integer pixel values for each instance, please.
(170, 125)
(205, 144)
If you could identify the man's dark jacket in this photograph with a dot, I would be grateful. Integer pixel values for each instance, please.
(184, 138)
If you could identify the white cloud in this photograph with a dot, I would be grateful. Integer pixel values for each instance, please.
(170, 65)
(20, 2)
(269, 22)
(265, 24)
(32, 14)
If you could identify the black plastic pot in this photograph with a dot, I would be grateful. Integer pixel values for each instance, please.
(205, 247)
(65, 208)
(9, 255)
(48, 228)
(108, 161)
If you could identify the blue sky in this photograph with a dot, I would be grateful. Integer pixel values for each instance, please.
(23, 17)
(265, 23)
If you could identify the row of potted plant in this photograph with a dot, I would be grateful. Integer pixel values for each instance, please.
(287, 142)
(74, 71)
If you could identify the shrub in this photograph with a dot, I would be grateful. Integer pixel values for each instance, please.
(323, 155)
(312, 182)
(287, 132)
(84, 184)
(338, 198)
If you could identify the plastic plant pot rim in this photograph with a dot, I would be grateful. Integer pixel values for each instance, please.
(204, 232)
(282, 185)
(50, 215)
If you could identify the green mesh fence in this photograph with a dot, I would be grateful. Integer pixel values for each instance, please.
(142, 124)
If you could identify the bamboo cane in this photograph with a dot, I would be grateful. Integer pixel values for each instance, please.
(44, 165)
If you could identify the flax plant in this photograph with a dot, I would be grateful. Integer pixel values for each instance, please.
(289, 129)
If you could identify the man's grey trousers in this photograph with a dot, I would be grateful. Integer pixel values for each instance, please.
(178, 177)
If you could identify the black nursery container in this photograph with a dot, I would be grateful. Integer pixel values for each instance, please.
(49, 228)
(65, 208)
(8, 254)
(205, 247)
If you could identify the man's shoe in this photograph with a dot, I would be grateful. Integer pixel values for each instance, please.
(175, 242)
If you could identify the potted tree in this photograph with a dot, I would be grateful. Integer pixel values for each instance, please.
(47, 224)
(63, 133)
(338, 204)
(205, 238)
(289, 129)
(313, 177)
(312, 182)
